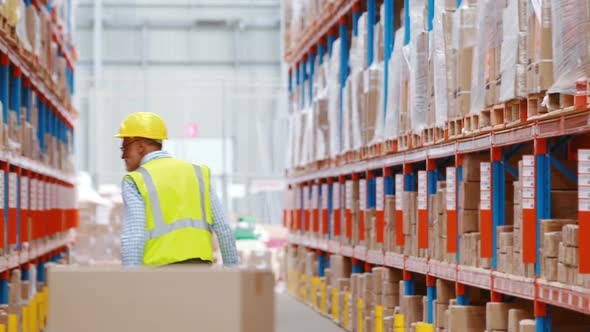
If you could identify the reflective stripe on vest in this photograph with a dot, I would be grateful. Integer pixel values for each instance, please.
(161, 228)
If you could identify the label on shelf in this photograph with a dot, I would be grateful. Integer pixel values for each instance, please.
(2, 191)
(40, 195)
(528, 192)
(485, 205)
(349, 194)
(528, 182)
(451, 202)
(422, 190)
(528, 171)
(485, 177)
(12, 190)
(325, 196)
(314, 196)
(451, 180)
(399, 189)
(583, 167)
(583, 155)
(48, 193)
(24, 192)
(528, 160)
(584, 180)
(362, 194)
(584, 205)
(34, 194)
(485, 196)
(336, 196)
(379, 192)
(528, 203)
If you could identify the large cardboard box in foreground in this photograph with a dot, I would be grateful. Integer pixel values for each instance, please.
(114, 299)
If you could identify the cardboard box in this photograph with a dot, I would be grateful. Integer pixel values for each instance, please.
(550, 245)
(248, 299)
(549, 268)
(472, 167)
(468, 221)
(527, 325)
(561, 273)
(469, 195)
(440, 315)
(497, 315)
(411, 308)
(467, 318)
(506, 239)
(514, 318)
(570, 235)
(554, 225)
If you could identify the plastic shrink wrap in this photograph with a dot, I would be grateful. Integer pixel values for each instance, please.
(485, 53)
(417, 59)
(396, 68)
(333, 82)
(357, 62)
(464, 33)
(320, 110)
(514, 58)
(571, 36)
(439, 66)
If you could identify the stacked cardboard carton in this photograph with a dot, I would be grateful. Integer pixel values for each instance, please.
(567, 266)
(437, 236)
(390, 244)
(464, 32)
(468, 210)
(514, 52)
(410, 215)
(445, 291)
(539, 47)
(466, 318)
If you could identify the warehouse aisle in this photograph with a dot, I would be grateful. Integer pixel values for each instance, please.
(293, 316)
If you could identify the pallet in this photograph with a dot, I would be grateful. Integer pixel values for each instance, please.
(511, 112)
(432, 135)
(534, 104)
(560, 101)
(390, 146)
(404, 141)
(455, 127)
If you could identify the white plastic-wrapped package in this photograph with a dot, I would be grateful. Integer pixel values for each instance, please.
(394, 87)
(417, 58)
(320, 109)
(488, 39)
(571, 27)
(333, 82)
(374, 117)
(540, 47)
(296, 20)
(513, 58)
(357, 62)
(439, 60)
(307, 147)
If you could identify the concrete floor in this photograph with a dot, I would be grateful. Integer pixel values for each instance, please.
(294, 316)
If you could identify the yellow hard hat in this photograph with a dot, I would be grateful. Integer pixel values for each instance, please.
(143, 124)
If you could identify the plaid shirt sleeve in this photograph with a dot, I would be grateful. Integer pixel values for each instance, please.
(133, 233)
(225, 235)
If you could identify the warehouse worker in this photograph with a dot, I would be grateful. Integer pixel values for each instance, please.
(170, 208)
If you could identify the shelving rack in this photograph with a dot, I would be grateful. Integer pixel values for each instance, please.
(38, 198)
(541, 134)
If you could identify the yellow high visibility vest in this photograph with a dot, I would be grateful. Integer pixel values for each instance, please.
(178, 211)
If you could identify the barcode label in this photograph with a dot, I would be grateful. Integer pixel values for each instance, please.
(584, 167)
(336, 196)
(349, 194)
(584, 180)
(34, 194)
(528, 193)
(380, 193)
(451, 202)
(584, 205)
(12, 190)
(584, 155)
(528, 182)
(528, 171)
(422, 194)
(325, 196)
(363, 194)
(485, 195)
(24, 192)
(399, 189)
(528, 203)
(485, 205)
(485, 186)
(485, 168)
(528, 160)
(451, 182)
